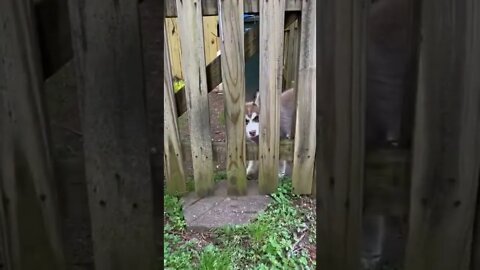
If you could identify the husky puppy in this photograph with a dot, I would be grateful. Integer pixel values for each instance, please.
(287, 126)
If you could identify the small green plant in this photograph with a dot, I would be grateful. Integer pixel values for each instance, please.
(219, 176)
(178, 85)
(213, 258)
(221, 119)
(272, 241)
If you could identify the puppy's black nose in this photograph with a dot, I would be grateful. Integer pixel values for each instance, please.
(252, 133)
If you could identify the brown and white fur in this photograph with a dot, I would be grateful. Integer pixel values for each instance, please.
(287, 125)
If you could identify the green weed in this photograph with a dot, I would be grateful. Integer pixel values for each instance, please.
(269, 242)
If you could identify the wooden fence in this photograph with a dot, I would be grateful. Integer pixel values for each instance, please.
(233, 56)
(434, 184)
(440, 199)
(210, 36)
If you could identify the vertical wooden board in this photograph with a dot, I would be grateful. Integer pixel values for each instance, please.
(314, 181)
(117, 164)
(251, 6)
(210, 37)
(214, 77)
(4, 253)
(446, 159)
(286, 38)
(292, 54)
(292, 5)
(170, 8)
(305, 130)
(295, 52)
(174, 46)
(271, 53)
(341, 150)
(209, 8)
(193, 60)
(174, 173)
(233, 78)
(31, 224)
(210, 40)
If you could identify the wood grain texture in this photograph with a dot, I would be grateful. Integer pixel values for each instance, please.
(251, 6)
(306, 87)
(108, 53)
(271, 67)
(52, 19)
(291, 52)
(445, 172)
(193, 61)
(175, 52)
(211, 37)
(233, 78)
(29, 212)
(210, 8)
(214, 70)
(341, 150)
(174, 171)
(212, 44)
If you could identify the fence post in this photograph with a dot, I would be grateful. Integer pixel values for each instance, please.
(341, 150)
(30, 222)
(446, 159)
(190, 24)
(306, 116)
(233, 78)
(272, 15)
(174, 170)
(107, 47)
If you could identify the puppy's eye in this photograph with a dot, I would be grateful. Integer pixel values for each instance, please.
(246, 121)
(255, 118)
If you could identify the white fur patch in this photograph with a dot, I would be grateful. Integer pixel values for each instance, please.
(252, 128)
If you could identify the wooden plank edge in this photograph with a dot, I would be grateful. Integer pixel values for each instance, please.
(171, 10)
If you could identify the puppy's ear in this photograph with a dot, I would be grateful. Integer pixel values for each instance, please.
(257, 98)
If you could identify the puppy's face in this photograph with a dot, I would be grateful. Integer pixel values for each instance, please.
(252, 125)
(252, 113)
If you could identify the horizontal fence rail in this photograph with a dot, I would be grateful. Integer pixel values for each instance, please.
(210, 7)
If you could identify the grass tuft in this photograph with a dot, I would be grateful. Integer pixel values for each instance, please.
(275, 240)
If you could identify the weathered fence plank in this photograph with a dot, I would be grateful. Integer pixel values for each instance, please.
(306, 117)
(341, 156)
(52, 18)
(214, 70)
(233, 78)
(174, 171)
(271, 66)
(446, 162)
(291, 53)
(193, 61)
(210, 8)
(107, 45)
(30, 226)
(251, 6)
